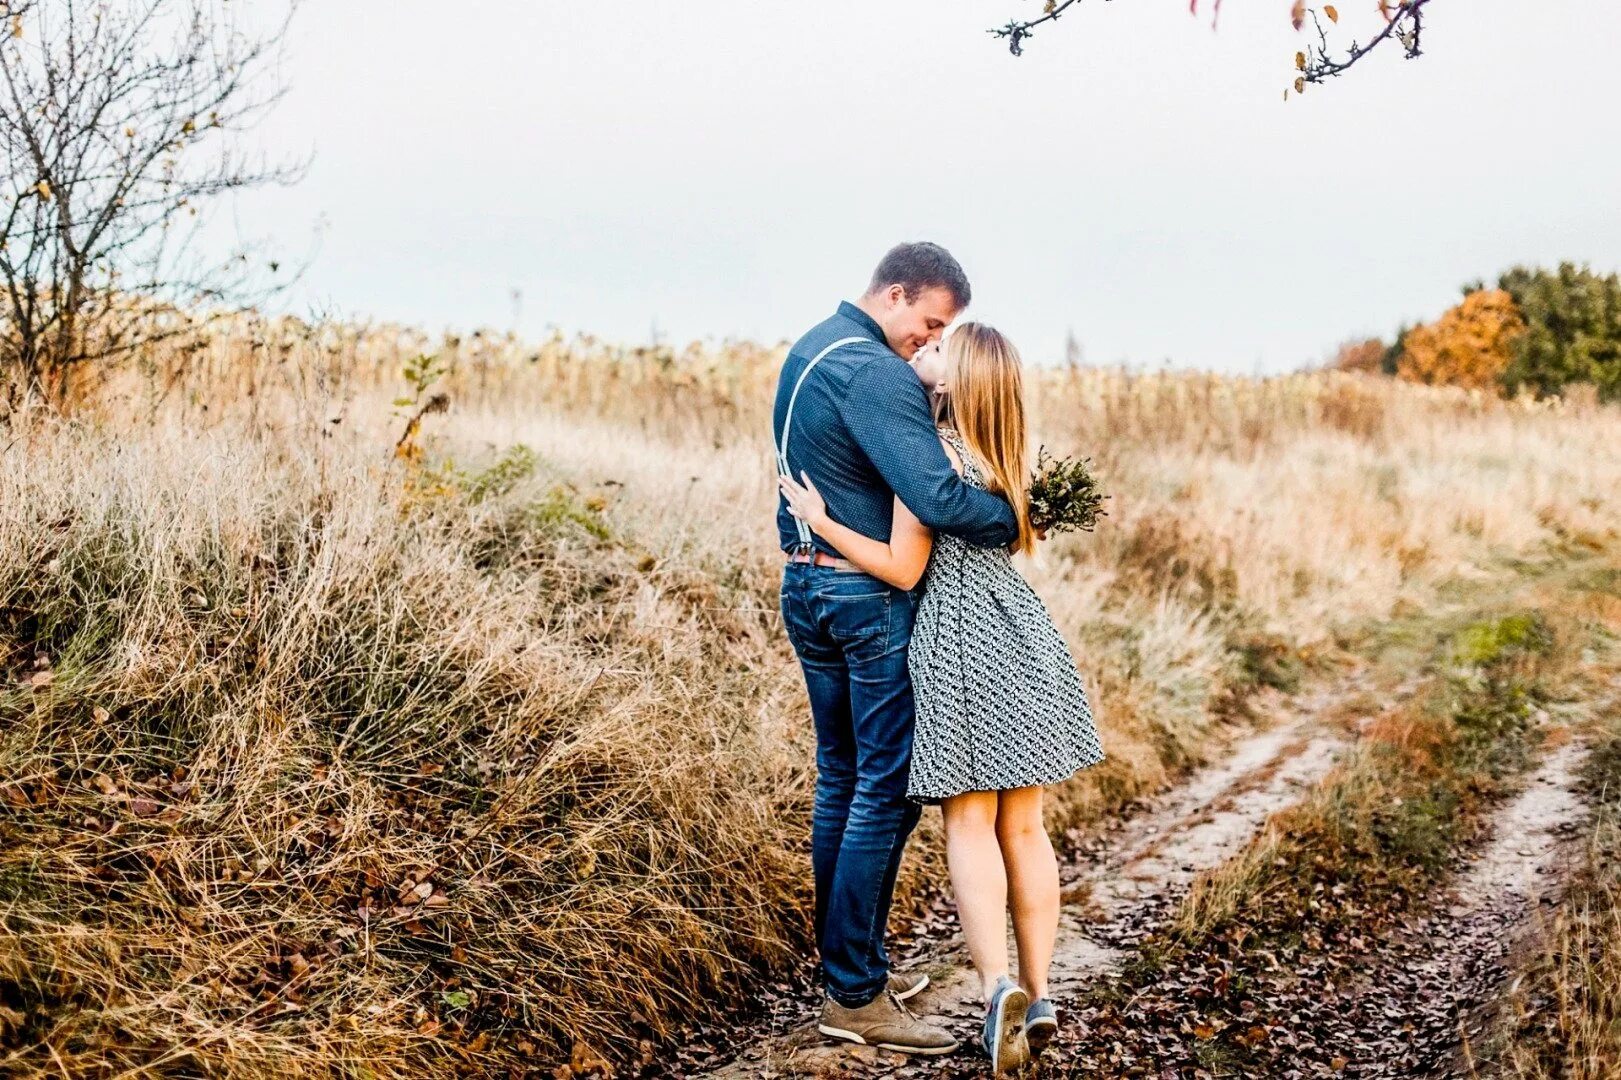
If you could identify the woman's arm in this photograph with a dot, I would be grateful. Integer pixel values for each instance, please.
(900, 562)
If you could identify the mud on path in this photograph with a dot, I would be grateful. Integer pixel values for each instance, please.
(1114, 892)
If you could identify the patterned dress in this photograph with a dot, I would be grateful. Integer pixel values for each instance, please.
(999, 702)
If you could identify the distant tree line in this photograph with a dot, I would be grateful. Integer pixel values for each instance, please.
(1537, 330)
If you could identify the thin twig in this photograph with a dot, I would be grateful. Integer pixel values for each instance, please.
(1016, 31)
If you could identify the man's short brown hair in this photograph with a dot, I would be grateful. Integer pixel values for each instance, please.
(919, 266)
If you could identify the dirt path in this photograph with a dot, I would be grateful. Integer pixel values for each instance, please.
(1407, 997)
(1430, 991)
(1112, 895)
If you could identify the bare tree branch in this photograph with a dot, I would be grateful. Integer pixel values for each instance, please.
(1016, 30)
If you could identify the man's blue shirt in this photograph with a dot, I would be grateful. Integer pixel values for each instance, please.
(863, 430)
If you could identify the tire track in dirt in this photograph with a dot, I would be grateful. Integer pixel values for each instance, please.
(1113, 895)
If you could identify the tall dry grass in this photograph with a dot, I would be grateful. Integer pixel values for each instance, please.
(316, 761)
(302, 773)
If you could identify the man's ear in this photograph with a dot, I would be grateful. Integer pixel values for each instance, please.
(896, 295)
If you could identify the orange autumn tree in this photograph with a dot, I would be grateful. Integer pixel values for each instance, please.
(1470, 345)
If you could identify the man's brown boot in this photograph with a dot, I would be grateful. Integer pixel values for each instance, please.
(884, 1022)
(907, 987)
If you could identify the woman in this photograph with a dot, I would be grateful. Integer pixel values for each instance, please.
(1000, 706)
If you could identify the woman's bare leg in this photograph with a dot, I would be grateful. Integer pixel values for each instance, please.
(1032, 875)
(979, 881)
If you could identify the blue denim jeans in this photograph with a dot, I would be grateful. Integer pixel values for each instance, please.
(851, 631)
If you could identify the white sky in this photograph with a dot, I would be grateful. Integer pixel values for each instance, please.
(723, 168)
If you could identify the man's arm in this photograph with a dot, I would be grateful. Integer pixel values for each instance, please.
(887, 413)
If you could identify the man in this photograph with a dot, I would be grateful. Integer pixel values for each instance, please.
(862, 428)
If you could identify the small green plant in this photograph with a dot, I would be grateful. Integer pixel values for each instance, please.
(443, 478)
(1493, 641)
(1064, 494)
(515, 465)
(420, 373)
(562, 508)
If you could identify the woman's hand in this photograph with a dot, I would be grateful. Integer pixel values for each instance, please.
(804, 501)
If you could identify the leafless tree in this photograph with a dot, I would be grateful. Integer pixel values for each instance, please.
(1401, 21)
(120, 121)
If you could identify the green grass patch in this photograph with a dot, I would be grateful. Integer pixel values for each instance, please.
(1493, 641)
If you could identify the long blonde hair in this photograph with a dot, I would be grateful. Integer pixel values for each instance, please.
(984, 401)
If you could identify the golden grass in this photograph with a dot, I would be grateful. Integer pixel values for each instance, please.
(311, 767)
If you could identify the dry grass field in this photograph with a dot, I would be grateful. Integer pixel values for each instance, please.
(333, 744)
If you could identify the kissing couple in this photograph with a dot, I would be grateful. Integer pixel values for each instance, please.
(935, 674)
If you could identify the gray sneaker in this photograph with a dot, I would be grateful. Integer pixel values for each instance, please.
(886, 1023)
(1040, 1025)
(1003, 1035)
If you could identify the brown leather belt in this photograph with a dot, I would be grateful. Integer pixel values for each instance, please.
(821, 558)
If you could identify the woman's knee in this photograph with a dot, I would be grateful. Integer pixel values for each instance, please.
(1018, 816)
(972, 812)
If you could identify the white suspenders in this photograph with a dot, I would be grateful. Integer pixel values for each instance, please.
(788, 419)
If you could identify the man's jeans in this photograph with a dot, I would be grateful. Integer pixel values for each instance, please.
(851, 632)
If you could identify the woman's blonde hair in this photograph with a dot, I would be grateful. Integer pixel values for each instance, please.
(984, 401)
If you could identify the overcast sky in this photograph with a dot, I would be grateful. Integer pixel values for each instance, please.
(734, 169)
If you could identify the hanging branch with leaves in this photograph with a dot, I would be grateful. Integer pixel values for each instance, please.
(1403, 22)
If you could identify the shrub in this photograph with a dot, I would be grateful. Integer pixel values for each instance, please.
(1366, 355)
(1470, 345)
(1573, 330)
